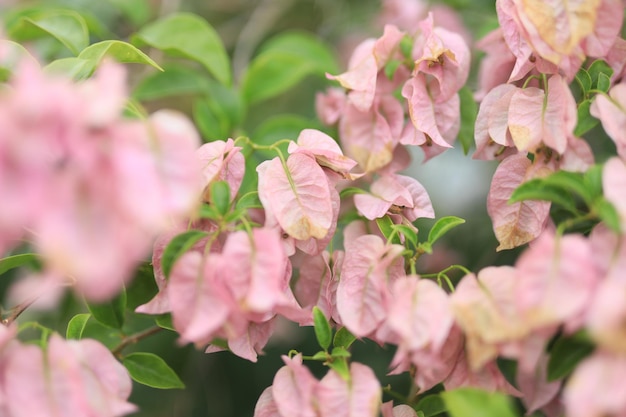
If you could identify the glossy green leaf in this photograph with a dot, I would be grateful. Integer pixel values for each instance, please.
(76, 326)
(323, 331)
(149, 369)
(584, 80)
(66, 26)
(431, 405)
(604, 82)
(340, 352)
(173, 81)
(596, 68)
(386, 226)
(341, 367)
(177, 246)
(408, 232)
(15, 261)
(220, 196)
(593, 181)
(249, 200)
(165, 321)
(473, 402)
(566, 353)
(120, 51)
(110, 313)
(211, 120)
(443, 226)
(586, 121)
(190, 36)
(343, 338)
(538, 189)
(469, 111)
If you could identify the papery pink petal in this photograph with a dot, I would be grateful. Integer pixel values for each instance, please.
(557, 279)
(443, 55)
(360, 78)
(596, 388)
(387, 45)
(369, 137)
(294, 389)
(612, 113)
(324, 149)
(610, 15)
(105, 94)
(199, 306)
(517, 223)
(250, 343)
(607, 313)
(27, 393)
(330, 105)
(300, 202)
(420, 205)
(491, 128)
(265, 405)
(578, 155)
(221, 161)
(535, 388)
(614, 186)
(363, 292)
(359, 396)
(496, 66)
(609, 252)
(313, 287)
(526, 118)
(489, 378)
(420, 313)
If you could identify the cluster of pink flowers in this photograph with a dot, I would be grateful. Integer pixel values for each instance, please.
(88, 188)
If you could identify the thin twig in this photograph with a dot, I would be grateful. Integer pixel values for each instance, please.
(134, 338)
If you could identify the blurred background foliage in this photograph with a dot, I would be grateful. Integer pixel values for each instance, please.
(221, 384)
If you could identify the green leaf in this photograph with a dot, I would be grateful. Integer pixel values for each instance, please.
(249, 200)
(76, 68)
(321, 356)
(538, 189)
(340, 352)
(343, 338)
(431, 405)
(584, 80)
(165, 321)
(604, 82)
(149, 369)
(110, 313)
(76, 326)
(566, 353)
(596, 68)
(177, 246)
(469, 111)
(593, 181)
(443, 226)
(586, 121)
(173, 81)
(391, 67)
(306, 46)
(386, 227)
(323, 331)
(121, 51)
(190, 36)
(473, 402)
(341, 367)
(66, 26)
(275, 128)
(408, 232)
(220, 196)
(572, 182)
(608, 214)
(273, 73)
(15, 261)
(406, 46)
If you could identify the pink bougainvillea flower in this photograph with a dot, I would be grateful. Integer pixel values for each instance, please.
(420, 313)
(443, 57)
(496, 66)
(517, 223)
(317, 283)
(369, 137)
(330, 105)
(611, 111)
(221, 161)
(614, 186)
(369, 268)
(484, 308)
(606, 31)
(297, 196)
(535, 118)
(397, 194)
(388, 410)
(367, 60)
(558, 278)
(358, 396)
(324, 149)
(491, 131)
(606, 315)
(537, 391)
(438, 122)
(69, 378)
(596, 388)
(294, 388)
